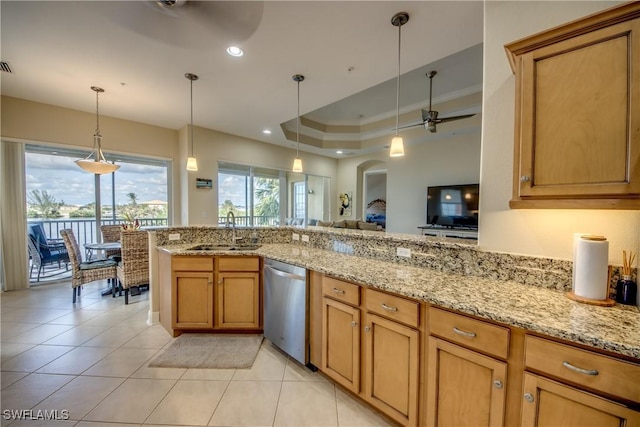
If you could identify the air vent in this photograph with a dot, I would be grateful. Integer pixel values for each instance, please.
(5, 67)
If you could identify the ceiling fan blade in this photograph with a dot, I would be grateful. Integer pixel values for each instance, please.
(450, 119)
(411, 126)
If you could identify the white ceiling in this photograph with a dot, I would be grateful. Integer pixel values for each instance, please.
(346, 50)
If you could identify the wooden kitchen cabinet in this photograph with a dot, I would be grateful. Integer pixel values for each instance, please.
(549, 403)
(464, 387)
(391, 368)
(238, 299)
(467, 371)
(193, 300)
(371, 346)
(577, 121)
(207, 293)
(341, 343)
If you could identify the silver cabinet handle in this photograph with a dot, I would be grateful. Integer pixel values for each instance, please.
(388, 307)
(354, 323)
(529, 397)
(579, 370)
(464, 333)
(338, 291)
(498, 384)
(524, 178)
(367, 328)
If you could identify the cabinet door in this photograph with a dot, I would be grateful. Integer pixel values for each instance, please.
(341, 343)
(238, 301)
(578, 117)
(548, 403)
(391, 371)
(192, 300)
(464, 388)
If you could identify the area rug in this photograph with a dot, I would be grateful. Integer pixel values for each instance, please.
(210, 351)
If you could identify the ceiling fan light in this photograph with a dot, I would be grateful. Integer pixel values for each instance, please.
(397, 147)
(297, 165)
(192, 164)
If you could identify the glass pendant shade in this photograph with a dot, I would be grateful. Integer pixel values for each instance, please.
(192, 164)
(397, 147)
(297, 165)
(95, 162)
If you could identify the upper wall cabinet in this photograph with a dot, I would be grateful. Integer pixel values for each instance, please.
(577, 130)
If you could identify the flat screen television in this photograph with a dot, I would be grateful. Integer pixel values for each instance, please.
(453, 206)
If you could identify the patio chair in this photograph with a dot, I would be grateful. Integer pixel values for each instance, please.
(111, 233)
(43, 254)
(133, 269)
(85, 272)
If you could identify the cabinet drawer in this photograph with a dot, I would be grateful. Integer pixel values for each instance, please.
(238, 264)
(192, 263)
(469, 332)
(342, 291)
(583, 367)
(393, 307)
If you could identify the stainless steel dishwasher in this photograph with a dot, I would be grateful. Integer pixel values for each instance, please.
(285, 308)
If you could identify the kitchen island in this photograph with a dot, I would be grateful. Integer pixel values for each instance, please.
(512, 325)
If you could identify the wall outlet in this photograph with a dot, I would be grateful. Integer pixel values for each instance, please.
(404, 252)
(295, 237)
(174, 236)
(305, 238)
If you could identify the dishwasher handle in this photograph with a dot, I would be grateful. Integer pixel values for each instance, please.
(284, 273)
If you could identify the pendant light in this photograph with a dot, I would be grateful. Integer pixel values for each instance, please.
(95, 161)
(397, 145)
(192, 163)
(297, 163)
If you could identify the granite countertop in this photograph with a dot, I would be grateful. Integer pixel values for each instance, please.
(615, 329)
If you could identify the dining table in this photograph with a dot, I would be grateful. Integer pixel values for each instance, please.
(90, 248)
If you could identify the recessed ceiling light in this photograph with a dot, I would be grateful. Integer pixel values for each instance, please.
(266, 132)
(339, 152)
(234, 51)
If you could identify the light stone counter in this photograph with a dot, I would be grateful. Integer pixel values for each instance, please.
(532, 308)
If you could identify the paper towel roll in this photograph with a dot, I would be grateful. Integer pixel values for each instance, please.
(591, 267)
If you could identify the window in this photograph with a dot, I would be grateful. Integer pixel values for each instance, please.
(299, 205)
(61, 195)
(251, 193)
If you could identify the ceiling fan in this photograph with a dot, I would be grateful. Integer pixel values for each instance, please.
(189, 23)
(429, 117)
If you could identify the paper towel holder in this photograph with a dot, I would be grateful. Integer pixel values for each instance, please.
(608, 302)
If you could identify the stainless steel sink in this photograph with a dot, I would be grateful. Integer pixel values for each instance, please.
(224, 247)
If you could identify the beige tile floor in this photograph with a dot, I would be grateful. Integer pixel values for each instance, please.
(91, 360)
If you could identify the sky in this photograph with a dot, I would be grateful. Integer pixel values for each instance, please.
(62, 178)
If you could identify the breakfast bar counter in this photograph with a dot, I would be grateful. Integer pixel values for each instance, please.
(532, 308)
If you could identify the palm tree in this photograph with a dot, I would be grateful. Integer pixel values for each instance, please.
(267, 193)
(44, 204)
(133, 199)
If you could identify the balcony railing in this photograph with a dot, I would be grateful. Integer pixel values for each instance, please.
(258, 221)
(85, 229)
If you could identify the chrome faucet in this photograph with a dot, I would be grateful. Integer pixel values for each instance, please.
(233, 223)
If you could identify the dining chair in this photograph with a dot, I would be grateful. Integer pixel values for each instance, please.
(133, 269)
(111, 233)
(85, 272)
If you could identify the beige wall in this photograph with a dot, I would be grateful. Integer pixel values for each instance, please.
(440, 161)
(538, 232)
